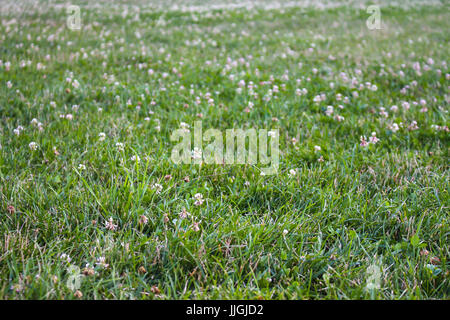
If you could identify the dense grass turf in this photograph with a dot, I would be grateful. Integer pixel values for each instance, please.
(93, 207)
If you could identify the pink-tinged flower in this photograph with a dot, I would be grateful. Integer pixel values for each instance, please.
(373, 138)
(199, 199)
(157, 187)
(394, 127)
(143, 220)
(101, 262)
(363, 143)
(195, 226)
(413, 126)
(33, 146)
(184, 214)
(110, 224)
(383, 112)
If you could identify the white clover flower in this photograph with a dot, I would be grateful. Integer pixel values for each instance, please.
(317, 148)
(199, 199)
(184, 214)
(184, 125)
(143, 220)
(196, 153)
(33, 146)
(65, 257)
(101, 136)
(394, 127)
(195, 226)
(81, 167)
(75, 84)
(413, 126)
(109, 224)
(373, 138)
(101, 262)
(272, 134)
(120, 146)
(157, 187)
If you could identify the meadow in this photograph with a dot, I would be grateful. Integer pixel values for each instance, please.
(93, 207)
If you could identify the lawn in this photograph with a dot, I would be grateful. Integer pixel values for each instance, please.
(92, 205)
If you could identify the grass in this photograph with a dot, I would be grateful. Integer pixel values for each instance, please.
(342, 222)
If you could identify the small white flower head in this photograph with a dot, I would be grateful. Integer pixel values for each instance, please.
(33, 146)
(157, 187)
(135, 159)
(317, 148)
(184, 125)
(373, 138)
(184, 214)
(65, 257)
(413, 125)
(394, 127)
(196, 153)
(195, 226)
(18, 130)
(292, 172)
(143, 220)
(109, 224)
(101, 136)
(199, 199)
(272, 134)
(285, 232)
(364, 142)
(101, 262)
(75, 84)
(120, 146)
(81, 167)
